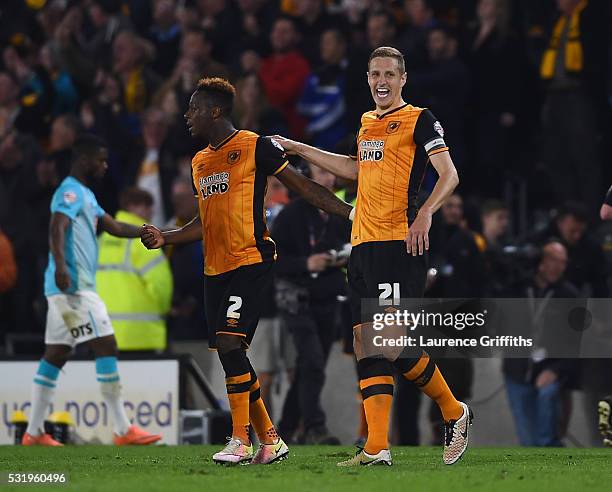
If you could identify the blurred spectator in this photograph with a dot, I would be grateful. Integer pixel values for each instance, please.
(273, 352)
(134, 282)
(35, 91)
(165, 34)
(309, 279)
(107, 20)
(575, 77)
(255, 22)
(152, 165)
(8, 266)
(284, 73)
(455, 255)
(138, 81)
(322, 102)
(498, 71)
(64, 131)
(8, 279)
(252, 110)
(495, 219)
(380, 31)
(186, 318)
(442, 86)
(18, 157)
(218, 18)
(65, 96)
(534, 385)
(195, 62)
(312, 20)
(412, 41)
(586, 266)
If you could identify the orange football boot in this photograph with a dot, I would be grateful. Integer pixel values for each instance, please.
(136, 436)
(42, 440)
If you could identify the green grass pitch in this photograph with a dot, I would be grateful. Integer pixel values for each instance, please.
(313, 468)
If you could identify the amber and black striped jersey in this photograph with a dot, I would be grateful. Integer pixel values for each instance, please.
(230, 181)
(390, 170)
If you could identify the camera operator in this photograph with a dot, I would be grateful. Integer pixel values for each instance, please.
(311, 254)
(534, 385)
(586, 267)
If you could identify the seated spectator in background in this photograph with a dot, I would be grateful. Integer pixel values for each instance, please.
(186, 318)
(9, 102)
(165, 34)
(442, 86)
(284, 72)
(152, 165)
(252, 110)
(65, 96)
(497, 66)
(586, 263)
(134, 282)
(322, 102)
(534, 385)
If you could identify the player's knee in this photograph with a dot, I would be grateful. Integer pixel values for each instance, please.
(56, 356)
(104, 347)
(227, 343)
(371, 367)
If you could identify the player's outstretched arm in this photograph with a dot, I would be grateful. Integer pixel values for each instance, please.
(316, 194)
(119, 229)
(417, 240)
(342, 166)
(154, 238)
(57, 235)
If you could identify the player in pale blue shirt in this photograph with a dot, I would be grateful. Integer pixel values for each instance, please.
(76, 313)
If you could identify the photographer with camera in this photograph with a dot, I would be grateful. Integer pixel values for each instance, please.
(311, 255)
(535, 385)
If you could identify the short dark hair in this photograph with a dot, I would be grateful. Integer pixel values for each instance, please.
(491, 206)
(574, 209)
(220, 91)
(87, 145)
(389, 52)
(135, 196)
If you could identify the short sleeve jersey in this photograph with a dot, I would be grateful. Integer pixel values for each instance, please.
(391, 170)
(230, 182)
(73, 199)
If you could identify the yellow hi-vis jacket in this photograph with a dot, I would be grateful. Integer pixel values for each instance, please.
(136, 285)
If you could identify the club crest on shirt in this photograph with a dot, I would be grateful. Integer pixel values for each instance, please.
(438, 128)
(371, 150)
(233, 156)
(393, 126)
(70, 197)
(214, 184)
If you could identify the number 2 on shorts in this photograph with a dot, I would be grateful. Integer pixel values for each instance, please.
(235, 305)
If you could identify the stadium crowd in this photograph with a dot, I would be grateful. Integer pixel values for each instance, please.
(525, 118)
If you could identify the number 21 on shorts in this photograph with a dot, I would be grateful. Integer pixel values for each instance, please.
(386, 291)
